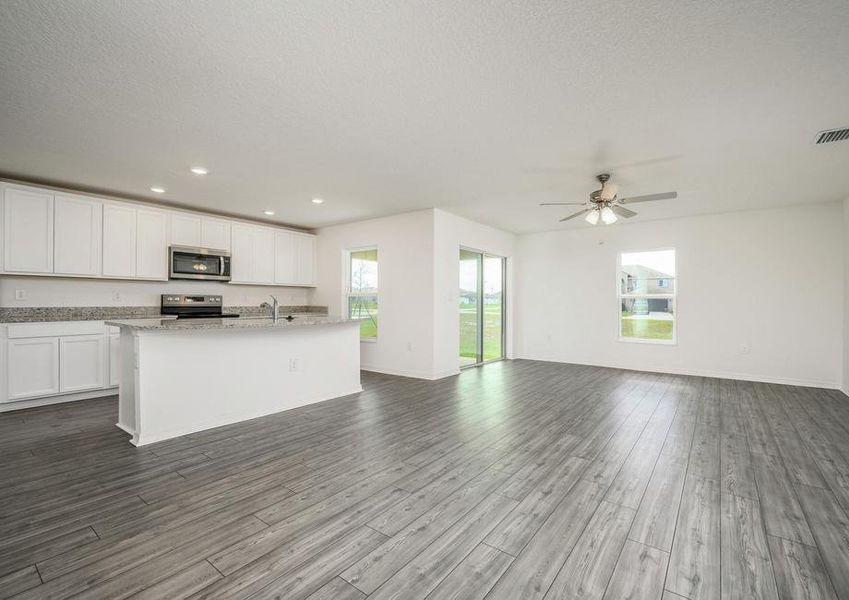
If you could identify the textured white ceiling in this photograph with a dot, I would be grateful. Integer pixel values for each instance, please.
(481, 108)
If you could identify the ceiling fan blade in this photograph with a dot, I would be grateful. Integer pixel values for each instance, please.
(622, 211)
(562, 203)
(649, 197)
(577, 214)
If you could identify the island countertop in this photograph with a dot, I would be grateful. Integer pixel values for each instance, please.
(172, 324)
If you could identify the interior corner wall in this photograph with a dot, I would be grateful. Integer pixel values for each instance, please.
(450, 233)
(404, 344)
(771, 280)
(846, 296)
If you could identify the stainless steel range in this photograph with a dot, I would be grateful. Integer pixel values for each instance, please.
(194, 307)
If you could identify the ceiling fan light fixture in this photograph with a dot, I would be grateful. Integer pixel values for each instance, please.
(592, 217)
(608, 216)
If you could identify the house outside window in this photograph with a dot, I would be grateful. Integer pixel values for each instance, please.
(647, 295)
(361, 298)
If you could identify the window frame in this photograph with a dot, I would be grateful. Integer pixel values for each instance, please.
(347, 294)
(620, 296)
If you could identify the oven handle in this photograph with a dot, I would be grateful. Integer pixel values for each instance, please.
(221, 265)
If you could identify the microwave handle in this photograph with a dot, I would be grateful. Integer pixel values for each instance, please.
(221, 265)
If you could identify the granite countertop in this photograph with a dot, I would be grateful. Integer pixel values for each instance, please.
(35, 314)
(232, 323)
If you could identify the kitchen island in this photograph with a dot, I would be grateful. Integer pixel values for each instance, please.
(179, 376)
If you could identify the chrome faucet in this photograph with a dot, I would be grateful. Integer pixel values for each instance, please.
(275, 309)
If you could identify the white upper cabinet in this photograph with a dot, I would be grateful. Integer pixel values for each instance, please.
(294, 255)
(215, 234)
(285, 258)
(151, 244)
(60, 233)
(27, 231)
(252, 254)
(77, 235)
(119, 240)
(185, 230)
(242, 251)
(306, 259)
(264, 255)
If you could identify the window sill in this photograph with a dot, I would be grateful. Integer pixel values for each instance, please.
(647, 341)
(368, 340)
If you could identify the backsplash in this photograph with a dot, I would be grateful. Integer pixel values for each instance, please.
(41, 292)
(27, 314)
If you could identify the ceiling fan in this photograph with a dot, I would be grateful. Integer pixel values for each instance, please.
(604, 204)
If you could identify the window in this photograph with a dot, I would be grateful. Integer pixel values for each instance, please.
(646, 288)
(361, 298)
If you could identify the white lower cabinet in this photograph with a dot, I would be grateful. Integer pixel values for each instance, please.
(52, 359)
(82, 361)
(33, 367)
(114, 359)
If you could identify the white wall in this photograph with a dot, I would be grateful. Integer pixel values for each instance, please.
(772, 279)
(55, 291)
(846, 296)
(451, 232)
(418, 273)
(404, 344)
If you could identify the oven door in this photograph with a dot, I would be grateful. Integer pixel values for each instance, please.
(199, 263)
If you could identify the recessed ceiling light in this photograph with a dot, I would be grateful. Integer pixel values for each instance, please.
(317, 200)
(199, 170)
(157, 189)
(268, 212)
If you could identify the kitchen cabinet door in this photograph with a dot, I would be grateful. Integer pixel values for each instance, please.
(215, 234)
(33, 367)
(152, 244)
(263, 255)
(185, 230)
(306, 259)
(114, 359)
(77, 235)
(119, 241)
(27, 231)
(285, 258)
(252, 256)
(242, 254)
(82, 362)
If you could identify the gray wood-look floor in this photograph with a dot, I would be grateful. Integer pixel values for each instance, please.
(517, 480)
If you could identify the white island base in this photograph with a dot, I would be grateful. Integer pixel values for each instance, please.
(177, 378)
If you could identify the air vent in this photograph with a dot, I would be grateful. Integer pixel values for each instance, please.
(833, 135)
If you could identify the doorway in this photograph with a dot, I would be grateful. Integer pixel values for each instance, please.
(482, 307)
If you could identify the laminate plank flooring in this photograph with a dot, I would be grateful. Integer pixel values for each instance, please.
(519, 479)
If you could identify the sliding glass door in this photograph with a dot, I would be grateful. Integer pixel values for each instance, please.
(482, 312)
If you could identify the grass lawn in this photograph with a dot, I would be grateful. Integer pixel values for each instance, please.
(367, 312)
(646, 329)
(491, 331)
(368, 327)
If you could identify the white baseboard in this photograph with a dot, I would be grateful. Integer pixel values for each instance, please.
(48, 400)
(414, 374)
(144, 438)
(831, 385)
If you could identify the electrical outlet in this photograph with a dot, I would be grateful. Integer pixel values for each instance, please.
(293, 365)
(20, 294)
(745, 349)
(116, 295)
(409, 346)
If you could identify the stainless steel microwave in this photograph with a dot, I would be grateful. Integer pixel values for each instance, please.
(199, 263)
